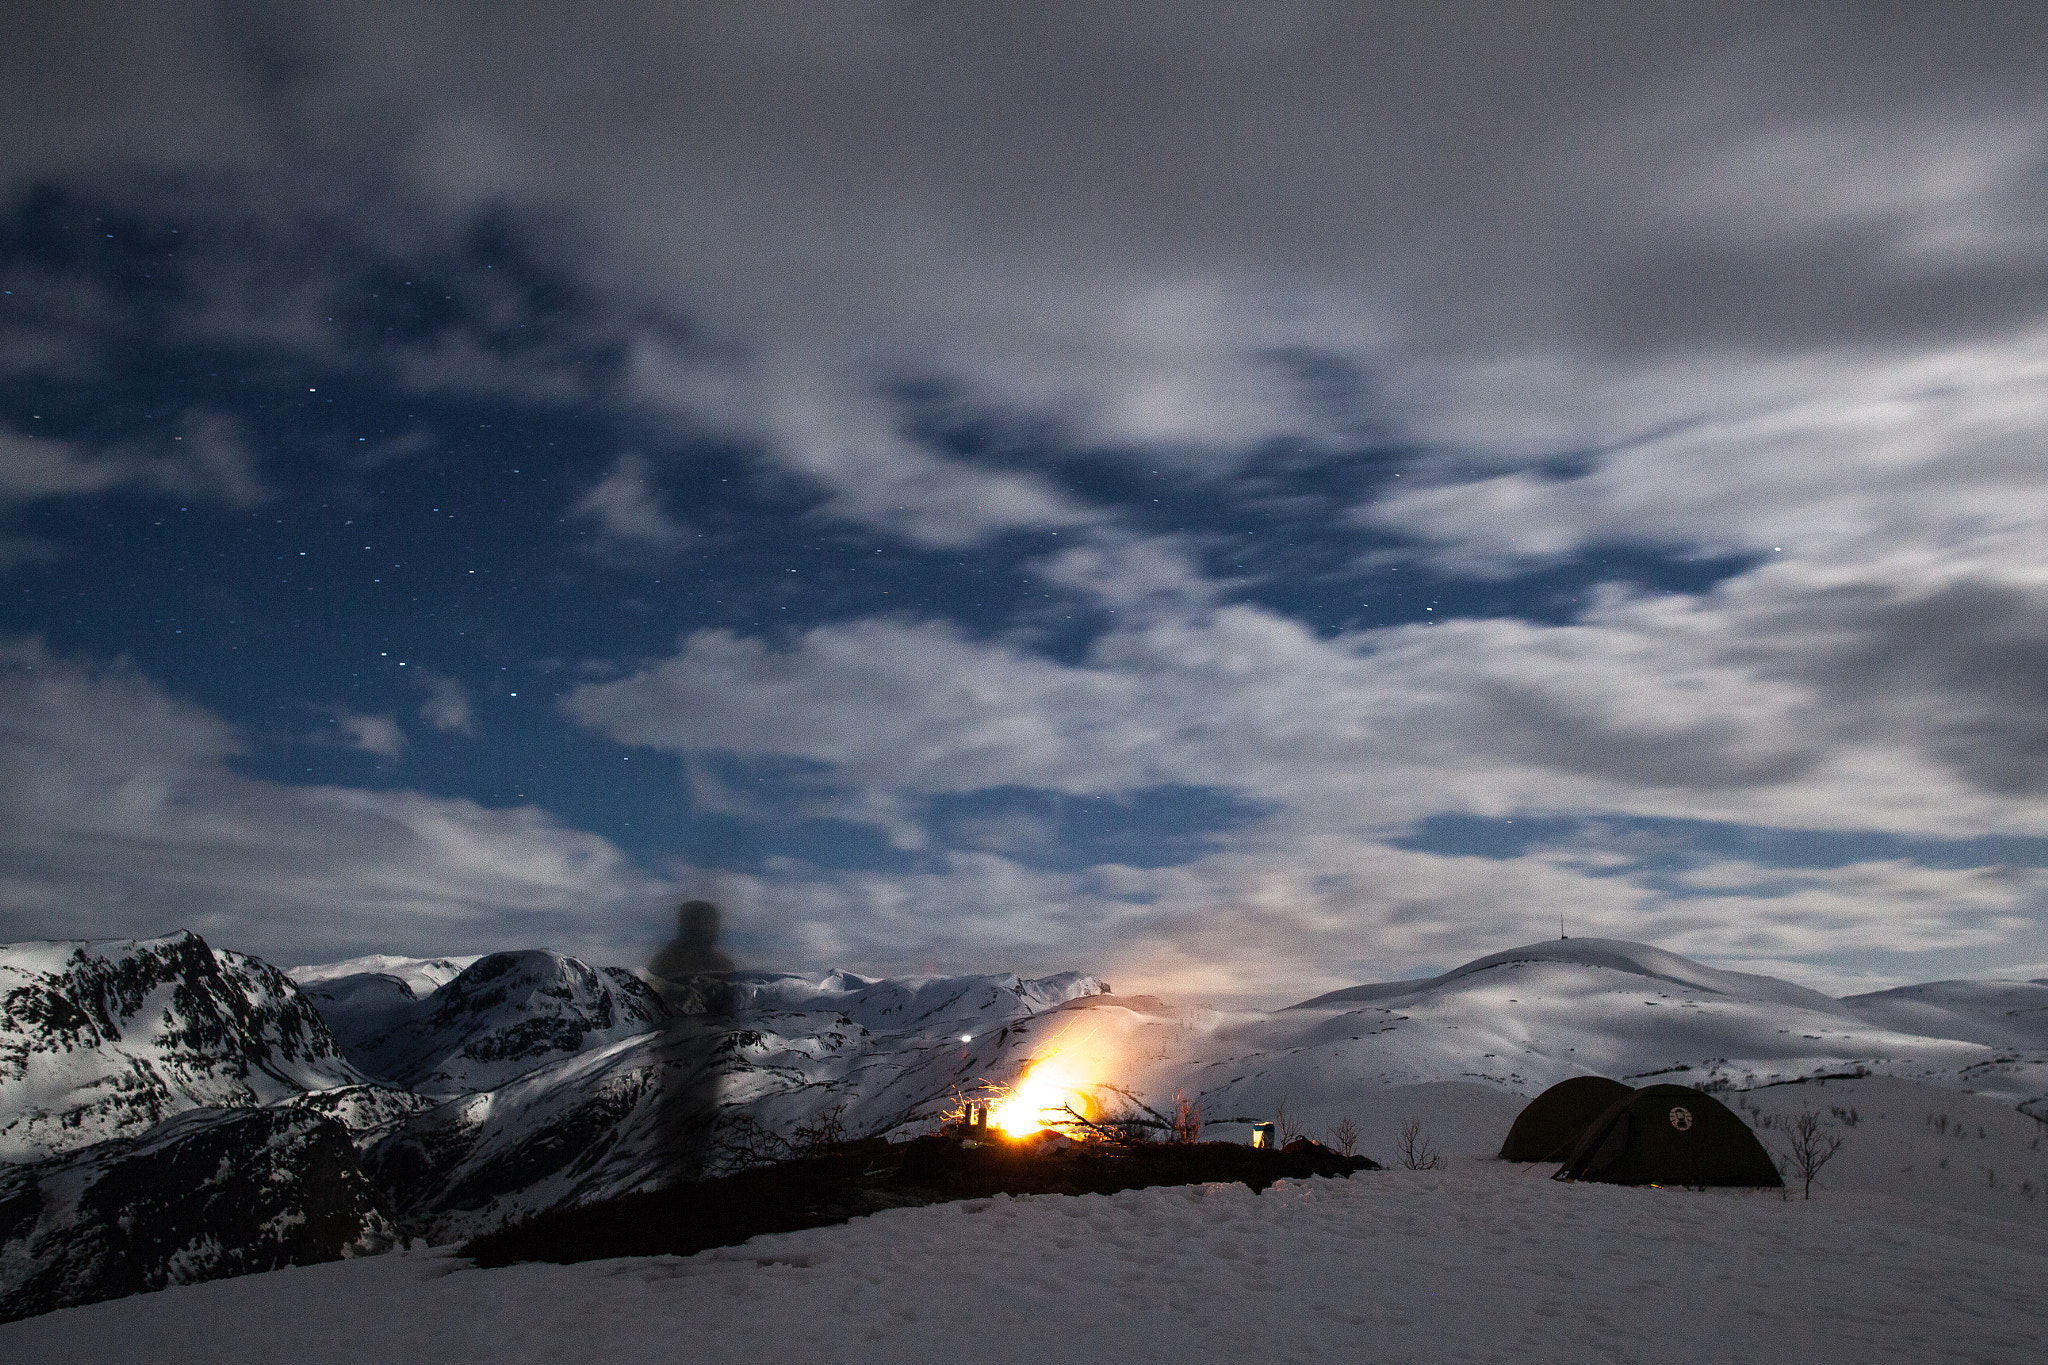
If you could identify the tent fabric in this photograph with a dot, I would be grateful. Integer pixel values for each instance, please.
(1670, 1135)
(1549, 1126)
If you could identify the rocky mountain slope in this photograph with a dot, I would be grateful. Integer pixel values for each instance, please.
(103, 1040)
(208, 1194)
(498, 1018)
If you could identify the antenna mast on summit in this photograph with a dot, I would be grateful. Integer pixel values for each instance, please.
(1560, 926)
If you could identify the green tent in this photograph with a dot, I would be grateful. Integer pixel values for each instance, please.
(1669, 1135)
(1549, 1126)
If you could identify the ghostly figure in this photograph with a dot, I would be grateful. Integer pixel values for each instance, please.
(693, 953)
(692, 978)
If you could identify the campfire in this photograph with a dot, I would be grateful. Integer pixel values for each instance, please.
(1061, 1094)
(1051, 1094)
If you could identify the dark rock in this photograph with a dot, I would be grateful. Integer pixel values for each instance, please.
(855, 1179)
(209, 1194)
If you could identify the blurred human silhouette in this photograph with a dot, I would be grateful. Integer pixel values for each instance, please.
(693, 953)
(691, 974)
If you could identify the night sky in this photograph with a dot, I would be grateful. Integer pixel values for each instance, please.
(1243, 499)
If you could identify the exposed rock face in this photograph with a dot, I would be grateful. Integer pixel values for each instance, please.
(595, 1126)
(368, 1112)
(208, 1194)
(505, 1015)
(105, 1039)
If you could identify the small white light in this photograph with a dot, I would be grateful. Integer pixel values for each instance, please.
(966, 1037)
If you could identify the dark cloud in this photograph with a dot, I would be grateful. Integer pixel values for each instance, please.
(1963, 667)
(1486, 172)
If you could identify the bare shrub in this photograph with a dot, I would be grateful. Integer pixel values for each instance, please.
(1808, 1146)
(1283, 1124)
(1186, 1117)
(828, 1130)
(1417, 1152)
(1344, 1135)
(743, 1141)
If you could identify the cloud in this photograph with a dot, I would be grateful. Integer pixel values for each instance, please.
(447, 705)
(1716, 281)
(206, 460)
(1774, 700)
(1712, 708)
(1273, 920)
(627, 509)
(839, 432)
(377, 735)
(1840, 459)
(123, 816)
(215, 464)
(31, 467)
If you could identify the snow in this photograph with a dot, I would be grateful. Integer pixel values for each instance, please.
(1926, 1238)
(104, 1038)
(935, 1004)
(1611, 954)
(1479, 1262)
(421, 975)
(1998, 1013)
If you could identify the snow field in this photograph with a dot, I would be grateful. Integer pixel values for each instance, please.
(1478, 1262)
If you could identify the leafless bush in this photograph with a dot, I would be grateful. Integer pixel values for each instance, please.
(1187, 1118)
(1417, 1152)
(1344, 1135)
(1284, 1125)
(812, 1139)
(1808, 1147)
(744, 1141)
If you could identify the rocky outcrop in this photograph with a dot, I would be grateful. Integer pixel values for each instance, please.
(208, 1194)
(505, 1015)
(106, 1039)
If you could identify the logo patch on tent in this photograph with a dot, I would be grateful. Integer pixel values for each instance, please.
(1681, 1118)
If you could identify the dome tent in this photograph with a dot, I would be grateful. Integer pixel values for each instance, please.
(1549, 1125)
(1669, 1135)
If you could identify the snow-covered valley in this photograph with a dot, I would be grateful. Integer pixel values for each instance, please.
(475, 1092)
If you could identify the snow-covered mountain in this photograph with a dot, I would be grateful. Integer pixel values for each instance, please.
(420, 975)
(476, 1091)
(495, 1020)
(101, 1040)
(1521, 1020)
(1605, 954)
(901, 1005)
(597, 1123)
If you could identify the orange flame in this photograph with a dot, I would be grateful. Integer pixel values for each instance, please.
(1054, 1089)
